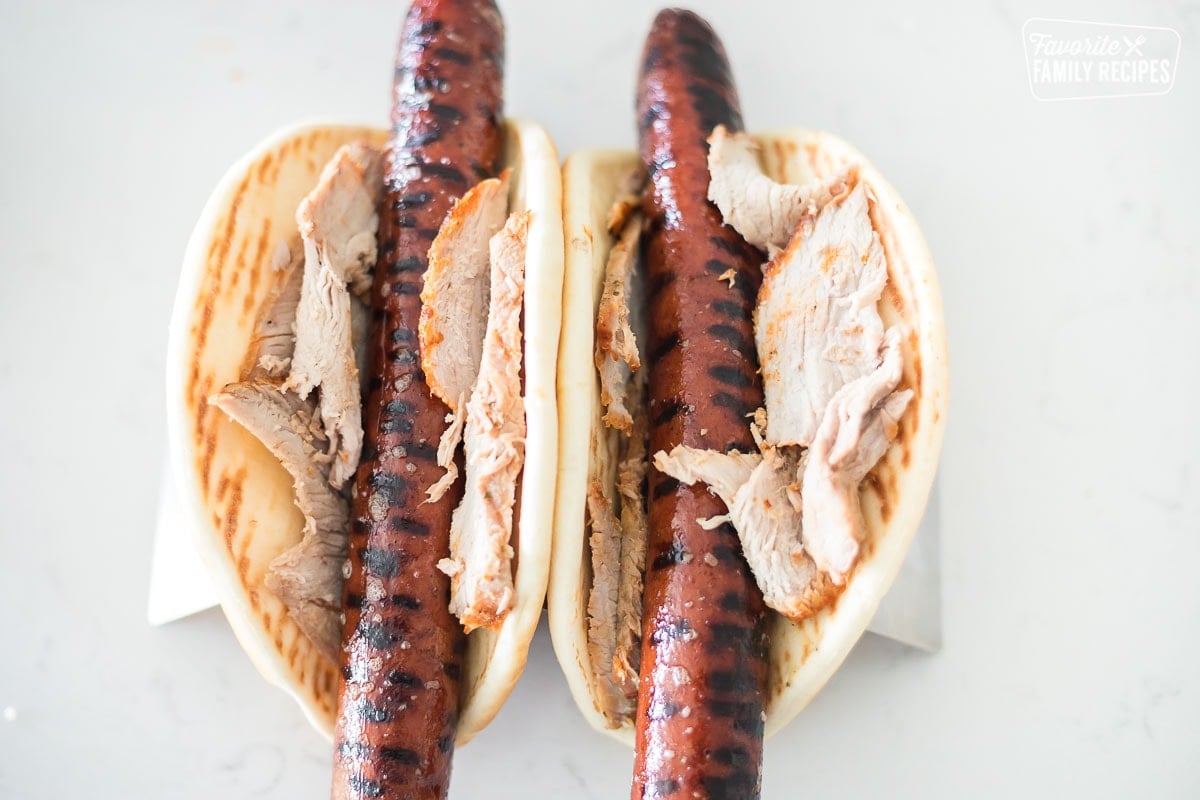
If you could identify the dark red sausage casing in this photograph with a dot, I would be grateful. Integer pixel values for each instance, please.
(403, 650)
(704, 649)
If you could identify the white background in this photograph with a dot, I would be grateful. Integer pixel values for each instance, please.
(1066, 239)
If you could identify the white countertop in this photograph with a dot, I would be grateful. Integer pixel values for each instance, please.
(1065, 234)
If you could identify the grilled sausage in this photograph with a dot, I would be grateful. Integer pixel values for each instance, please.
(704, 648)
(403, 650)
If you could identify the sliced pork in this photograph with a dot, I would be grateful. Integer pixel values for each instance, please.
(631, 487)
(762, 495)
(454, 310)
(616, 353)
(307, 578)
(817, 324)
(724, 473)
(830, 378)
(274, 339)
(338, 223)
(766, 213)
(448, 450)
(602, 609)
(455, 295)
(858, 426)
(628, 202)
(480, 563)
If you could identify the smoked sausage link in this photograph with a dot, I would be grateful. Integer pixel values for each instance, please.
(403, 650)
(704, 667)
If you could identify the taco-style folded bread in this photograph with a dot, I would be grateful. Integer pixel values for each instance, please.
(895, 492)
(361, 392)
(752, 395)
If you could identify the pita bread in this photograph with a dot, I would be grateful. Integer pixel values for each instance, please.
(238, 495)
(804, 656)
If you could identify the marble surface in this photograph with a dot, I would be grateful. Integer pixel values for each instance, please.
(1065, 236)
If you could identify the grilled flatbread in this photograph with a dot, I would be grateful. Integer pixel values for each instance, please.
(893, 496)
(242, 500)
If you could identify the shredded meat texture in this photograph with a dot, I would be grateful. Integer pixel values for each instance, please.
(724, 473)
(480, 563)
(631, 477)
(766, 213)
(620, 323)
(760, 491)
(360, 321)
(829, 381)
(447, 448)
(830, 377)
(338, 223)
(817, 325)
(858, 426)
(307, 578)
(768, 522)
(629, 200)
(616, 353)
(605, 543)
(455, 296)
(618, 554)
(274, 339)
